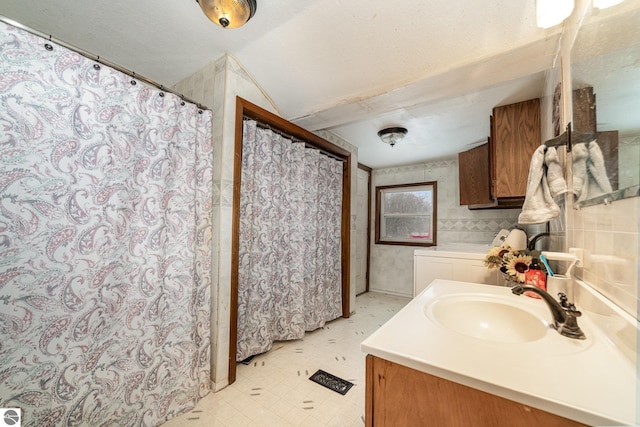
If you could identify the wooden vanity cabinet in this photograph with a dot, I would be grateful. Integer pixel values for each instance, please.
(504, 161)
(398, 396)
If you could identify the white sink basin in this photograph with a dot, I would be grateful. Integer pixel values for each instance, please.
(486, 318)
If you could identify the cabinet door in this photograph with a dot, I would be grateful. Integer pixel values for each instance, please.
(608, 143)
(584, 110)
(426, 269)
(584, 120)
(473, 174)
(399, 396)
(515, 136)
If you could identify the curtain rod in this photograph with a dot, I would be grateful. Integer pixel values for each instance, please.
(99, 60)
(292, 138)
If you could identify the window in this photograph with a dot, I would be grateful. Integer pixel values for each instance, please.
(406, 214)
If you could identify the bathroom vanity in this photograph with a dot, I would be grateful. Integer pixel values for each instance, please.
(469, 354)
(439, 402)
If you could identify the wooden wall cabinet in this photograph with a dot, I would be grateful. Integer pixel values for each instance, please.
(515, 135)
(400, 396)
(475, 181)
(585, 121)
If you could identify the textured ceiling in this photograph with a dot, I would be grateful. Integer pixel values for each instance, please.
(349, 66)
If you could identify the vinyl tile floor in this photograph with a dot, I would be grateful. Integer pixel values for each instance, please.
(275, 390)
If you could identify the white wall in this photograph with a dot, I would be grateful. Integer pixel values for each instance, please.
(392, 265)
(216, 85)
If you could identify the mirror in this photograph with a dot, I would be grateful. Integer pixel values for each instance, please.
(605, 73)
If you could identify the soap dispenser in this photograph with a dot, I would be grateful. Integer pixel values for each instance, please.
(535, 276)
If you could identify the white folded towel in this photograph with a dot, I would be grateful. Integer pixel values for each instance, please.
(555, 174)
(589, 173)
(539, 205)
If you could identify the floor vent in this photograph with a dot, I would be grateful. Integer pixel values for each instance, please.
(247, 360)
(331, 382)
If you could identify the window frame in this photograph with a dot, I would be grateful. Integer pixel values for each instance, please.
(380, 212)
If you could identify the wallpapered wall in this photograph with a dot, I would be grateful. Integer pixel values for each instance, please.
(392, 266)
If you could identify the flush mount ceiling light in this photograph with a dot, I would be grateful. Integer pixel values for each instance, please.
(552, 12)
(392, 136)
(228, 13)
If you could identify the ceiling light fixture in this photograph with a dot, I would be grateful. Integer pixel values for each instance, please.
(603, 4)
(228, 13)
(393, 135)
(552, 12)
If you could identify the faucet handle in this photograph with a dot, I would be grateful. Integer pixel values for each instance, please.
(563, 299)
(571, 308)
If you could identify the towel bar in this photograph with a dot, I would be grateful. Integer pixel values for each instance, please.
(570, 138)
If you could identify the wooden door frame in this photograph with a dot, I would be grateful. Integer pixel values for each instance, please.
(245, 108)
(370, 171)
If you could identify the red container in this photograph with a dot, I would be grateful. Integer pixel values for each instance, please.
(535, 277)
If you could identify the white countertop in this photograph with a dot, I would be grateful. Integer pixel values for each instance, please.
(590, 381)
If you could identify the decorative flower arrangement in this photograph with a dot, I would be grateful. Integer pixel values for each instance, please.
(512, 263)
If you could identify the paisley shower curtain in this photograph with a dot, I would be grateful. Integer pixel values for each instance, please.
(105, 228)
(289, 276)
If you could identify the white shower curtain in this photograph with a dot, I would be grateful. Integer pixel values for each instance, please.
(289, 277)
(105, 232)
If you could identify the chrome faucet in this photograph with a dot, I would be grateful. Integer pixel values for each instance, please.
(564, 313)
